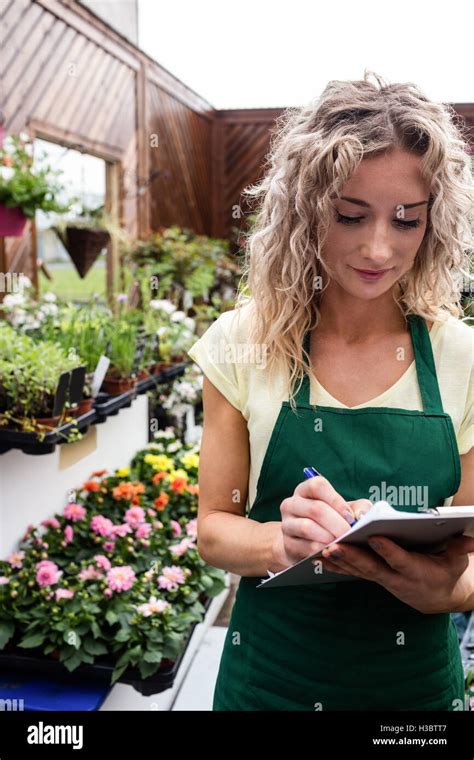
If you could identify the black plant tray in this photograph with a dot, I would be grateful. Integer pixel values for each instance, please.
(105, 406)
(29, 443)
(101, 672)
(108, 406)
(162, 377)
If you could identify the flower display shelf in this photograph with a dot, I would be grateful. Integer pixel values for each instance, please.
(20, 661)
(162, 377)
(29, 443)
(104, 406)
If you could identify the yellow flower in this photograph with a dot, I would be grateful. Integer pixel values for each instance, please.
(123, 472)
(190, 460)
(159, 461)
(178, 474)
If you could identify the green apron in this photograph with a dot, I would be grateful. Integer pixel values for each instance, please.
(348, 645)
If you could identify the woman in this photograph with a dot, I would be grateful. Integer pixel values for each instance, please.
(350, 356)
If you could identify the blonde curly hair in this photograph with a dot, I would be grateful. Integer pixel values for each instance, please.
(314, 150)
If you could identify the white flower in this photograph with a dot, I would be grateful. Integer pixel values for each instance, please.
(13, 299)
(162, 331)
(164, 305)
(24, 136)
(49, 308)
(8, 144)
(25, 282)
(178, 316)
(6, 173)
(189, 323)
(49, 297)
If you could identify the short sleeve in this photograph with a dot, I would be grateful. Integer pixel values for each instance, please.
(209, 352)
(465, 436)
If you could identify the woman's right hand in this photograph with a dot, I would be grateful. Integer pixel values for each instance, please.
(313, 517)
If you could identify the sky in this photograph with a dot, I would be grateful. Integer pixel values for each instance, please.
(269, 53)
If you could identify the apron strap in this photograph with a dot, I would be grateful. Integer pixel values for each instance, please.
(425, 365)
(424, 362)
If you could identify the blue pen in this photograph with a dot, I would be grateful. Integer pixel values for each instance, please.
(311, 472)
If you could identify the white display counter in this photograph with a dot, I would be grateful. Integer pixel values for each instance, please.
(35, 487)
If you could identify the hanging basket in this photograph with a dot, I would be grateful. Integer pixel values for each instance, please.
(84, 246)
(12, 221)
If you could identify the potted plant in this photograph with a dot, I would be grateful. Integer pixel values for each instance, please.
(121, 350)
(32, 376)
(25, 185)
(115, 579)
(179, 265)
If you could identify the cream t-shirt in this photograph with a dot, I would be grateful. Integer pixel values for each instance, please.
(239, 374)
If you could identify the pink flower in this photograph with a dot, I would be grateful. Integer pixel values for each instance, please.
(151, 512)
(4, 580)
(47, 573)
(154, 605)
(134, 516)
(143, 530)
(177, 530)
(157, 524)
(51, 522)
(102, 525)
(108, 592)
(90, 573)
(102, 561)
(120, 578)
(121, 530)
(63, 593)
(109, 546)
(68, 534)
(15, 559)
(171, 577)
(179, 549)
(74, 512)
(191, 528)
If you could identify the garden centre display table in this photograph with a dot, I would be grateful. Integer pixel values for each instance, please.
(35, 487)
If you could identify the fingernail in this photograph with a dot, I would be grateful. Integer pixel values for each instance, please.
(349, 517)
(335, 554)
(374, 544)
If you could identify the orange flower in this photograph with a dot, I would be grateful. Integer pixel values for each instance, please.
(98, 473)
(159, 476)
(91, 485)
(193, 489)
(178, 485)
(128, 491)
(161, 501)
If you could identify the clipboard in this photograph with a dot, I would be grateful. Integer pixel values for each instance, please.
(419, 531)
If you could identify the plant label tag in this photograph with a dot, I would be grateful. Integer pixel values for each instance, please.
(99, 374)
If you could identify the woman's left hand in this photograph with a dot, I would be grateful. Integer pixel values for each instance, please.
(429, 583)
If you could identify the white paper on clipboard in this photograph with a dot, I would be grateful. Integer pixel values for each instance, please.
(416, 530)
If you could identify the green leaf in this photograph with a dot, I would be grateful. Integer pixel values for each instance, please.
(111, 617)
(73, 662)
(147, 669)
(117, 672)
(154, 656)
(94, 647)
(35, 640)
(123, 634)
(7, 629)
